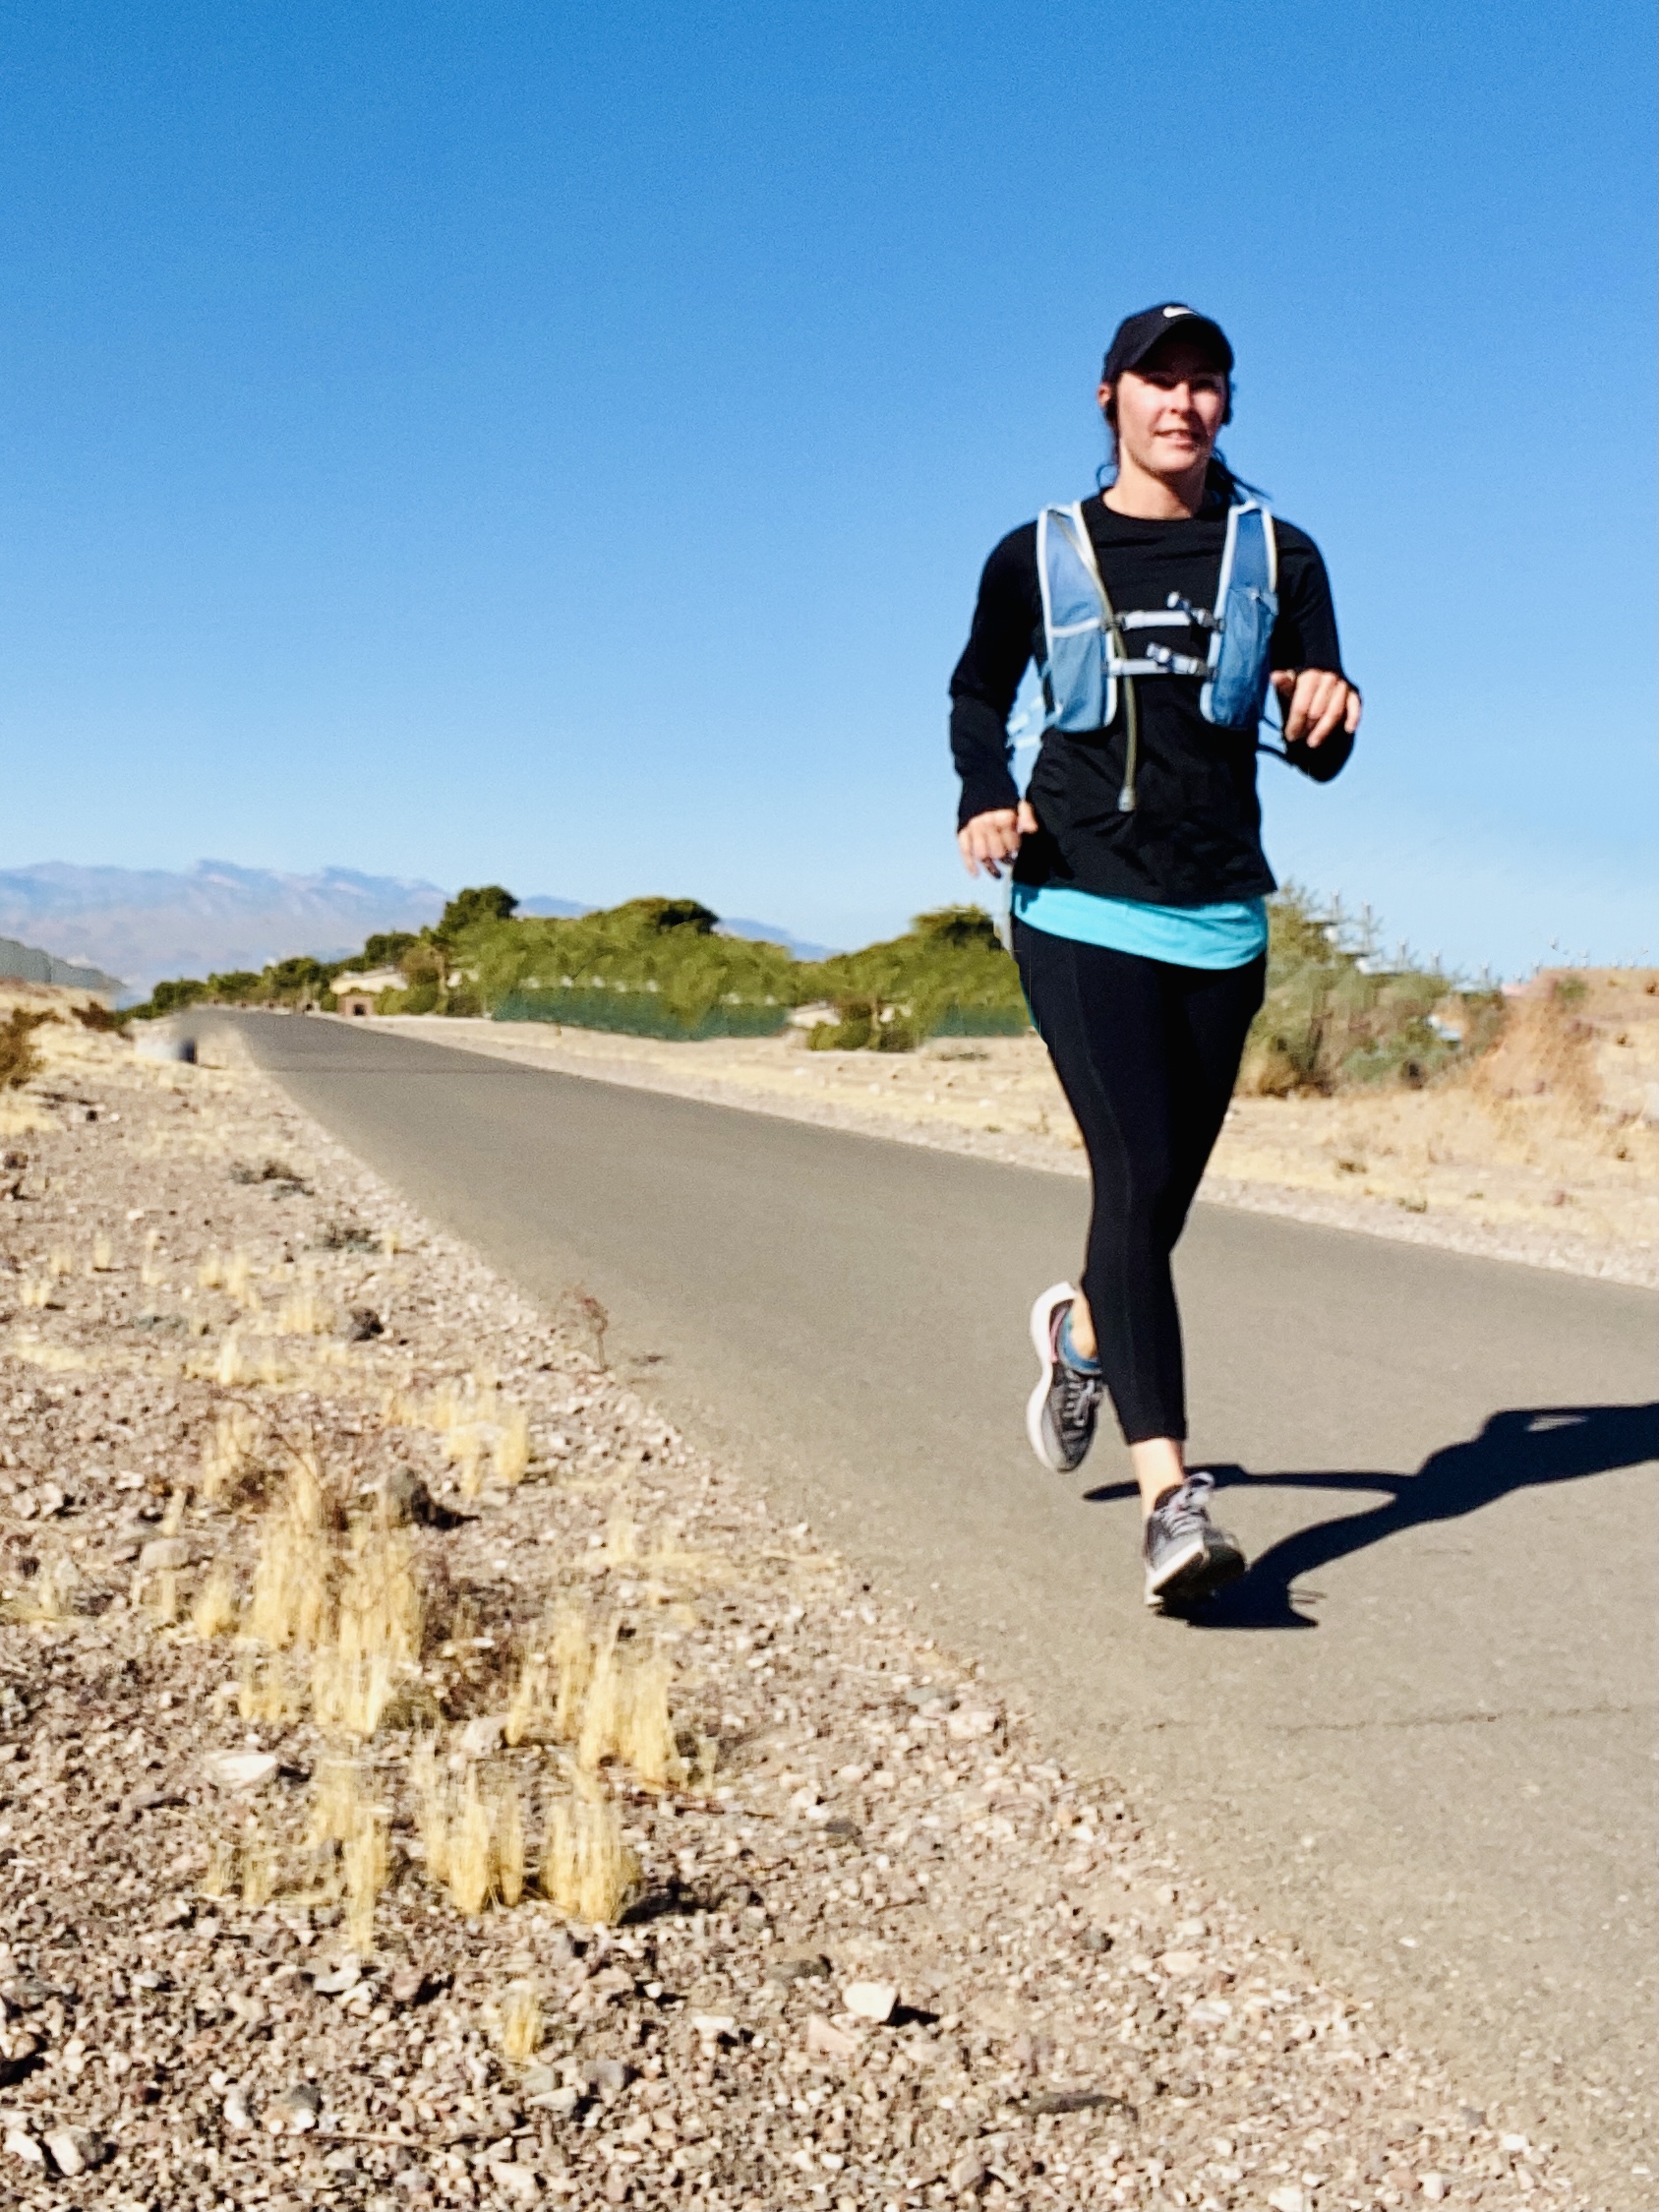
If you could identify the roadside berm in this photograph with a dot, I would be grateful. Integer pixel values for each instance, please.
(425, 1779)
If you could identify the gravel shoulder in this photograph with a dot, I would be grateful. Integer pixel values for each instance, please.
(1512, 1177)
(880, 1947)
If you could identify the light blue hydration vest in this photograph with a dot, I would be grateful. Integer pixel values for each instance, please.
(1085, 638)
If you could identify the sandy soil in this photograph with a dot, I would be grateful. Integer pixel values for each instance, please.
(301, 1512)
(1546, 1152)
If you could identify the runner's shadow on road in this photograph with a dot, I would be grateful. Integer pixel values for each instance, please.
(1520, 1449)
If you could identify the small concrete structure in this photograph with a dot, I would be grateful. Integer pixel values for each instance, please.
(355, 993)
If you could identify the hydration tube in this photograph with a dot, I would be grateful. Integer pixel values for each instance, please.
(1125, 800)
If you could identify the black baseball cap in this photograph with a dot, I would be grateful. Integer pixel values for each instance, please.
(1137, 334)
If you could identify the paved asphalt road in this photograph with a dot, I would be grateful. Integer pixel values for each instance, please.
(1419, 1737)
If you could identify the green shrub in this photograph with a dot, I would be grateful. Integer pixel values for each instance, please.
(19, 1059)
(948, 976)
(1335, 1017)
(653, 967)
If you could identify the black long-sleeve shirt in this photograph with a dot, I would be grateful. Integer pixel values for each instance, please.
(1195, 836)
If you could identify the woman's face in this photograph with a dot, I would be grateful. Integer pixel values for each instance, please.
(1169, 410)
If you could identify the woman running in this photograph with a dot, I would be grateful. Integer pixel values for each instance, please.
(1160, 613)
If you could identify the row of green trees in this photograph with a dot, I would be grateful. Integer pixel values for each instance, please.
(655, 966)
(1335, 1013)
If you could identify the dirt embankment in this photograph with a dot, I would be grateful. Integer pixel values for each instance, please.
(426, 1780)
(1545, 1150)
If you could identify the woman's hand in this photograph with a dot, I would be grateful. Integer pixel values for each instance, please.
(990, 839)
(1312, 702)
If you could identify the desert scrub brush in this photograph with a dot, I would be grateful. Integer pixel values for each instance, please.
(471, 1849)
(530, 1712)
(220, 1871)
(259, 1867)
(587, 1868)
(510, 1844)
(519, 2023)
(214, 1612)
(365, 1859)
(573, 1668)
(304, 1313)
(431, 1808)
(229, 1453)
(512, 1447)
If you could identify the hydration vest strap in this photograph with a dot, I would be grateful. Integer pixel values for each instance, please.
(1166, 663)
(1254, 591)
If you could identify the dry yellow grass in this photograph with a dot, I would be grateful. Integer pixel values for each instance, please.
(35, 1291)
(521, 2023)
(512, 1447)
(338, 1804)
(229, 1453)
(471, 1851)
(626, 1712)
(530, 1714)
(431, 1808)
(216, 1610)
(572, 1669)
(587, 1870)
(269, 1690)
(259, 1867)
(44, 1601)
(289, 1601)
(367, 1859)
(305, 1313)
(510, 1844)
(104, 1256)
(220, 1873)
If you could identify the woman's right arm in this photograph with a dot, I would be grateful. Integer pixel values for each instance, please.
(991, 816)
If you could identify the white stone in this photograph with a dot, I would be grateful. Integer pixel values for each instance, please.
(1182, 1962)
(481, 1738)
(24, 2148)
(517, 2182)
(870, 2000)
(1289, 2199)
(971, 1723)
(712, 2026)
(164, 1554)
(73, 2149)
(827, 2040)
(1432, 2186)
(239, 1769)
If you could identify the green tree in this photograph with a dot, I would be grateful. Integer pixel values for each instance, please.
(486, 902)
(180, 991)
(387, 947)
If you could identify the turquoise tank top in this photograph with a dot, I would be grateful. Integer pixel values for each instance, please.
(1226, 936)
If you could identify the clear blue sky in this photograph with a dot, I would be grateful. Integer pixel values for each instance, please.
(559, 444)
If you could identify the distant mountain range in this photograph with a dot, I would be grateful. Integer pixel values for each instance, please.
(143, 923)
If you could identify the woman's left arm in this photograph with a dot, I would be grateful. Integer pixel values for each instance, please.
(1319, 706)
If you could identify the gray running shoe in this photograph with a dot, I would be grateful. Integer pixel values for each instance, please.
(1061, 1411)
(1188, 1558)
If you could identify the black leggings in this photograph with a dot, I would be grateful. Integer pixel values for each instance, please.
(1146, 1056)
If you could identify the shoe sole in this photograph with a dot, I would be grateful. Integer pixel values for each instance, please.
(1206, 1567)
(1042, 1343)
